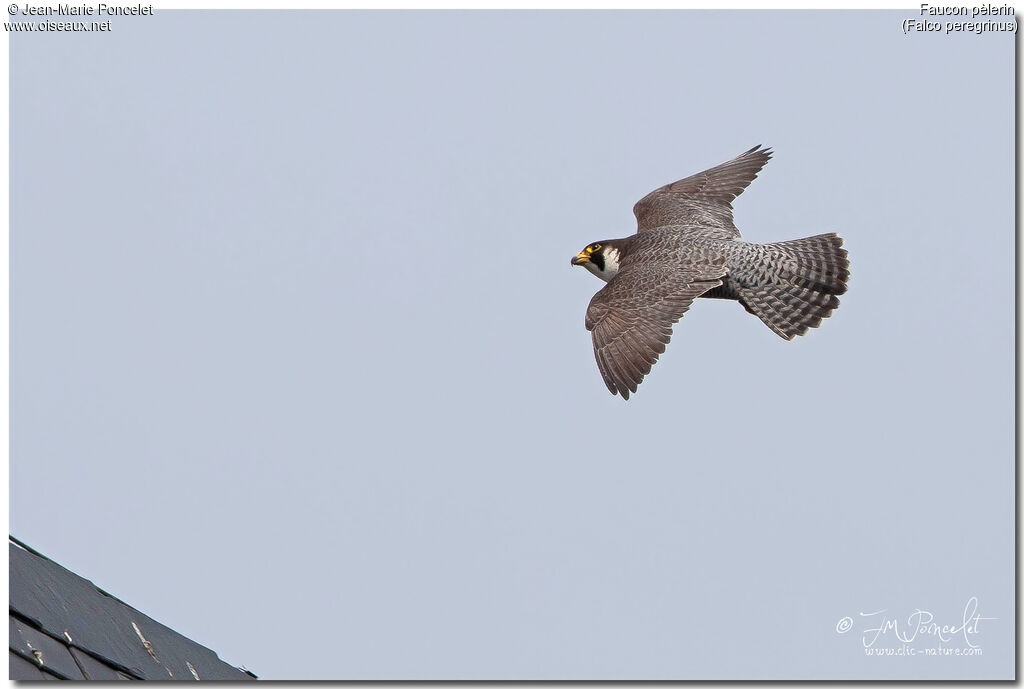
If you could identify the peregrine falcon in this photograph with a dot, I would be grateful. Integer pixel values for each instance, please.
(686, 246)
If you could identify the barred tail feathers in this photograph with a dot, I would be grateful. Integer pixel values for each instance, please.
(800, 284)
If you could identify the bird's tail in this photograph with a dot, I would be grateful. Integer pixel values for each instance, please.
(801, 284)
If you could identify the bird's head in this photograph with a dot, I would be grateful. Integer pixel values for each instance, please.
(600, 258)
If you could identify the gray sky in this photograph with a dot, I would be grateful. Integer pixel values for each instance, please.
(298, 364)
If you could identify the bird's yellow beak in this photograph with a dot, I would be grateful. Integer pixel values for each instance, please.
(581, 257)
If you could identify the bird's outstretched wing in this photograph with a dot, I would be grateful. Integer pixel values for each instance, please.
(631, 318)
(703, 199)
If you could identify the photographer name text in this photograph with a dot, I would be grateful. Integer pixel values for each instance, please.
(69, 10)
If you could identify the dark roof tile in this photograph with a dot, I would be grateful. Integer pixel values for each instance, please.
(46, 652)
(60, 609)
(20, 669)
(96, 669)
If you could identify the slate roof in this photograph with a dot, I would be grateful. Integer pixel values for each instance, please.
(63, 627)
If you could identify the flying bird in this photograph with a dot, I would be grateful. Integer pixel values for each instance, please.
(686, 246)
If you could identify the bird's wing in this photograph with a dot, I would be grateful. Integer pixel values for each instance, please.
(703, 199)
(631, 318)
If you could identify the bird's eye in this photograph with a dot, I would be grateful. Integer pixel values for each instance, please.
(595, 247)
